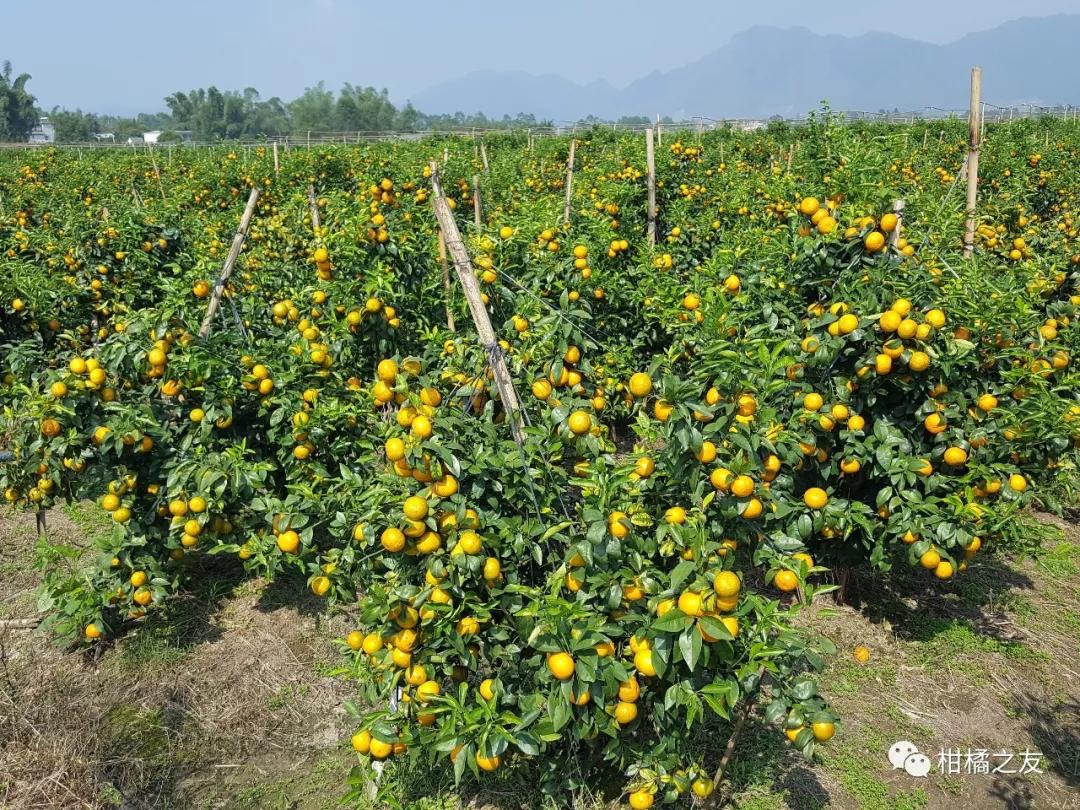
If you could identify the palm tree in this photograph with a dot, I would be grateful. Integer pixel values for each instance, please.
(18, 115)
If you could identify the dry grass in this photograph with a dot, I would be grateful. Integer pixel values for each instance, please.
(221, 691)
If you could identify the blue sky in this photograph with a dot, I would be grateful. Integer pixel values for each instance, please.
(123, 56)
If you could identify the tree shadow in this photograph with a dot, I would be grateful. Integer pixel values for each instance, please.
(1055, 728)
(145, 753)
(290, 592)
(919, 607)
(763, 760)
(187, 618)
(1014, 792)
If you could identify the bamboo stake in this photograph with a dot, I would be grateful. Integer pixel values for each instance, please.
(477, 211)
(569, 182)
(313, 207)
(749, 701)
(898, 209)
(659, 132)
(484, 157)
(157, 174)
(650, 165)
(446, 282)
(277, 165)
(467, 277)
(230, 260)
(974, 141)
(19, 624)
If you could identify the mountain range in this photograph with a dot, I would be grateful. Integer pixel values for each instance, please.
(766, 71)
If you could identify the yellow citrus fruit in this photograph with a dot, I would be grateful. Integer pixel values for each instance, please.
(786, 580)
(823, 731)
(640, 384)
(625, 712)
(415, 508)
(561, 665)
(579, 423)
(742, 486)
(727, 584)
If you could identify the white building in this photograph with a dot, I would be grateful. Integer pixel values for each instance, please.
(44, 132)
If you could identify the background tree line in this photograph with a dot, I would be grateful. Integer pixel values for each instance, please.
(212, 114)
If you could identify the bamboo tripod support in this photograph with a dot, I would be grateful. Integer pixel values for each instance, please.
(466, 275)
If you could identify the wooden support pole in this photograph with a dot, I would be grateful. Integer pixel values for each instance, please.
(650, 167)
(446, 282)
(569, 181)
(157, 173)
(19, 624)
(230, 260)
(484, 157)
(313, 207)
(659, 132)
(481, 319)
(277, 165)
(974, 141)
(898, 209)
(749, 702)
(477, 210)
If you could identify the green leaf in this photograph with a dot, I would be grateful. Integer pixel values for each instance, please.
(674, 621)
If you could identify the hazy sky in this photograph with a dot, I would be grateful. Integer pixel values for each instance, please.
(123, 56)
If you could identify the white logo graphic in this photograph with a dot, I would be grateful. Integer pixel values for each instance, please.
(905, 755)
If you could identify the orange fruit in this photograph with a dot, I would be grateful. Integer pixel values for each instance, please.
(640, 384)
(742, 486)
(561, 665)
(786, 580)
(579, 423)
(392, 539)
(823, 731)
(727, 584)
(625, 712)
(415, 508)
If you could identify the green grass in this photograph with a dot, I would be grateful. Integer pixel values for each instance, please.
(955, 646)
(93, 521)
(145, 750)
(848, 762)
(155, 644)
(765, 800)
(1070, 620)
(316, 788)
(848, 677)
(1060, 561)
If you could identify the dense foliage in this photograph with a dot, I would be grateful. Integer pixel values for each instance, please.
(17, 112)
(792, 378)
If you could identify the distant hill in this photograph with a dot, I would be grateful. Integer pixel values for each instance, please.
(767, 71)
